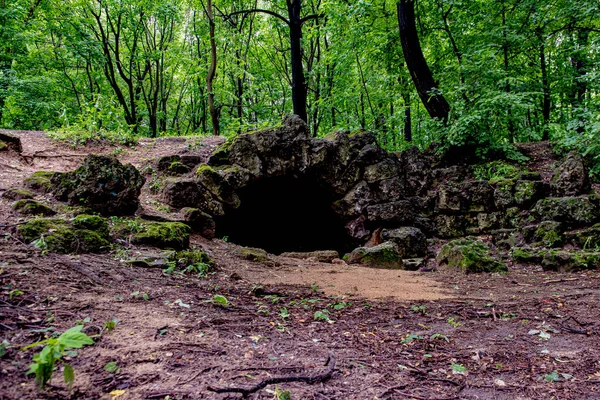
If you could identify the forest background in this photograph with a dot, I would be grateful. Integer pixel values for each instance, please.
(510, 70)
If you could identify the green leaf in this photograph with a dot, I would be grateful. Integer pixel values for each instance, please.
(111, 366)
(75, 339)
(69, 376)
(222, 300)
(459, 369)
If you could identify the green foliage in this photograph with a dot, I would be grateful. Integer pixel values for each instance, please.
(322, 315)
(54, 350)
(496, 171)
(221, 300)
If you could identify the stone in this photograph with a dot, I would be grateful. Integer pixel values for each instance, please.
(528, 192)
(217, 185)
(172, 165)
(504, 194)
(545, 234)
(172, 235)
(181, 193)
(383, 170)
(571, 177)
(488, 221)
(588, 238)
(478, 196)
(11, 142)
(570, 261)
(396, 212)
(449, 199)
(324, 256)
(450, 226)
(528, 255)
(469, 255)
(60, 236)
(411, 241)
(530, 176)
(254, 254)
(384, 256)
(101, 184)
(199, 221)
(91, 222)
(3, 146)
(17, 194)
(573, 211)
(40, 181)
(32, 207)
(413, 264)
(506, 239)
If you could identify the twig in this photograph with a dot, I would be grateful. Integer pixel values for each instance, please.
(561, 280)
(311, 379)
(573, 330)
(494, 314)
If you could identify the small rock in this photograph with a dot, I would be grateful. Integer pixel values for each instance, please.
(199, 221)
(411, 242)
(324, 256)
(40, 181)
(383, 256)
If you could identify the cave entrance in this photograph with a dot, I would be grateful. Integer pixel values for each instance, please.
(285, 214)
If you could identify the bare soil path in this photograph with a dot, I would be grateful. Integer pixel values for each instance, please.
(528, 334)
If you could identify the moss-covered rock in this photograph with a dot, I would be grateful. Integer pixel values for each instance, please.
(324, 256)
(193, 257)
(199, 221)
(172, 165)
(11, 142)
(470, 255)
(571, 177)
(528, 255)
(254, 254)
(450, 226)
(384, 256)
(101, 183)
(92, 223)
(573, 211)
(545, 234)
(17, 194)
(40, 181)
(217, 185)
(3, 146)
(59, 236)
(32, 207)
(528, 192)
(411, 241)
(174, 235)
(588, 238)
(504, 194)
(569, 261)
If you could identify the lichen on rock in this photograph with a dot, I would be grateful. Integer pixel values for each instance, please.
(384, 256)
(40, 181)
(32, 207)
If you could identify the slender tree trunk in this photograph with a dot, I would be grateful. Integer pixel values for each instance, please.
(545, 88)
(433, 101)
(214, 112)
(507, 89)
(299, 89)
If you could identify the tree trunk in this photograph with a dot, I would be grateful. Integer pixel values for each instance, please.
(214, 112)
(434, 102)
(299, 90)
(545, 89)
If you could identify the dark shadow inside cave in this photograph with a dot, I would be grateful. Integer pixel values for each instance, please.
(285, 214)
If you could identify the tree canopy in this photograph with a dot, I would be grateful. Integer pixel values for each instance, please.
(510, 70)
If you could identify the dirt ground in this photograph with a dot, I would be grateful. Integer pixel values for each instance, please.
(528, 334)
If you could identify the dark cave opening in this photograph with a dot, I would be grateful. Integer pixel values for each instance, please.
(285, 214)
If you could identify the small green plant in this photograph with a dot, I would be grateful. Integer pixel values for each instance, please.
(411, 337)
(340, 305)
(140, 295)
(110, 325)
(112, 367)
(315, 288)
(420, 309)
(439, 336)
(221, 300)
(552, 377)
(14, 293)
(459, 369)
(322, 315)
(55, 349)
(453, 322)
(281, 394)
(283, 313)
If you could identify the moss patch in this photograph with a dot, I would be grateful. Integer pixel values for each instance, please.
(470, 255)
(92, 223)
(569, 261)
(3, 146)
(193, 257)
(40, 181)
(32, 207)
(17, 194)
(59, 236)
(253, 254)
(174, 235)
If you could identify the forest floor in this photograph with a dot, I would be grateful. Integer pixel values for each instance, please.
(528, 334)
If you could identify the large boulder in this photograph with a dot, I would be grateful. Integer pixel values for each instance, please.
(469, 255)
(411, 241)
(573, 211)
(571, 177)
(101, 184)
(384, 255)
